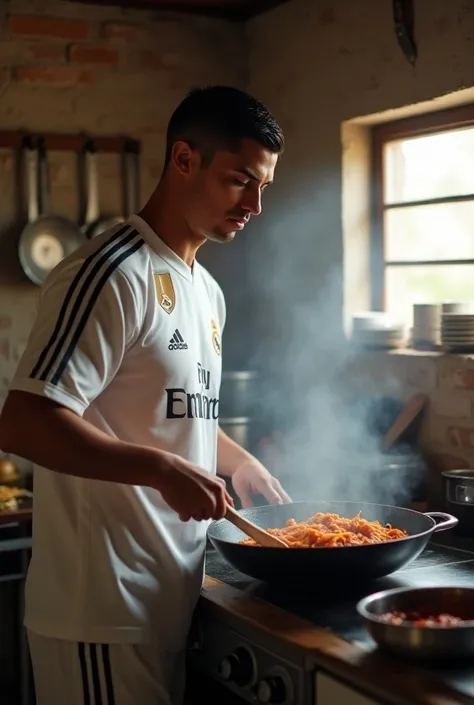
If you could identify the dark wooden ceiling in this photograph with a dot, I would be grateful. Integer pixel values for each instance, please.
(238, 10)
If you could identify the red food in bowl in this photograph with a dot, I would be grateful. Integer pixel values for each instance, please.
(415, 619)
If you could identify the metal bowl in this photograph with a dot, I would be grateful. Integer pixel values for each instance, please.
(426, 643)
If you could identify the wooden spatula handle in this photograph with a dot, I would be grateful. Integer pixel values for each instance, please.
(252, 530)
(409, 412)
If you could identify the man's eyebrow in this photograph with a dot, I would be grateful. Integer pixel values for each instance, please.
(251, 174)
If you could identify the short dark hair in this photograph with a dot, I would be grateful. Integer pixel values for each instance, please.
(219, 117)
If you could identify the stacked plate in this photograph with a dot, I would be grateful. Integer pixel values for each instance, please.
(377, 330)
(457, 332)
(426, 331)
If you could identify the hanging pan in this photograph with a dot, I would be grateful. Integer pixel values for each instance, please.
(47, 238)
(95, 224)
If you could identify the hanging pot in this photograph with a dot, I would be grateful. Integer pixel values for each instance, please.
(47, 238)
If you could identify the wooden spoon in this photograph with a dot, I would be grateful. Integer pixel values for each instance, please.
(408, 414)
(252, 530)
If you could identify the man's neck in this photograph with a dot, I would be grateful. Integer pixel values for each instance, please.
(164, 218)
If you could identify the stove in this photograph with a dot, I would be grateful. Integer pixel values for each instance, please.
(286, 680)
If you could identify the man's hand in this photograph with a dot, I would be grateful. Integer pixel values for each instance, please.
(252, 479)
(191, 491)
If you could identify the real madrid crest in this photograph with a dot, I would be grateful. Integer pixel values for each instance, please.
(165, 291)
(216, 337)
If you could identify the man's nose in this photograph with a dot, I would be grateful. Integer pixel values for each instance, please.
(253, 202)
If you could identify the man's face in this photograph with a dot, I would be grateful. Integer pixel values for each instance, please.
(224, 194)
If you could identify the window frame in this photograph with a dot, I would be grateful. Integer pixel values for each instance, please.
(439, 121)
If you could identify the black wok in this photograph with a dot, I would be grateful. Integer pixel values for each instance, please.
(353, 563)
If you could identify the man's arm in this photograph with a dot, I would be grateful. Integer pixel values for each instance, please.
(72, 355)
(50, 435)
(248, 475)
(230, 456)
(69, 360)
(55, 437)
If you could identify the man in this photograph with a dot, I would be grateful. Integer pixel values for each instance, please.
(115, 401)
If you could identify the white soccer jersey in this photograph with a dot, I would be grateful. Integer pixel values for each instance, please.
(128, 336)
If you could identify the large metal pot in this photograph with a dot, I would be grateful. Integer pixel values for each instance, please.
(238, 393)
(444, 643)
(396, 478)
(411, 471)
(239, 429)
(458, 490)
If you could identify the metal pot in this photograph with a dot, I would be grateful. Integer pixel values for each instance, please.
(393, 478)
(238, 393)
(458, 490)
(444, 643)
(239, 430)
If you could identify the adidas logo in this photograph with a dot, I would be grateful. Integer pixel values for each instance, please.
(177, 342)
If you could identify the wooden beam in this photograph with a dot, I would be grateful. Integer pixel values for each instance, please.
(227, 9)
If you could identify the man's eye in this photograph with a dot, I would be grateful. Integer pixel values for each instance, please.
(239, 182)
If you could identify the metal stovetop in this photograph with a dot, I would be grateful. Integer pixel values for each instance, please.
(437, 565)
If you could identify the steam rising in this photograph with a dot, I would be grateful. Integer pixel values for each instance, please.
(330, 444)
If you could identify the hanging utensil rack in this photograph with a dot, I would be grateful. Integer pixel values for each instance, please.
(63, 142)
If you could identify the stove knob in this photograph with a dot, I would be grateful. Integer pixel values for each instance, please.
(195, 639)
(237, 667)
(271, 690)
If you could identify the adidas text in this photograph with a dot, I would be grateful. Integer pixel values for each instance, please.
(177, 342)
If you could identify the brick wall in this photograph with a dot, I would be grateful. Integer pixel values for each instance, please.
(69, 68)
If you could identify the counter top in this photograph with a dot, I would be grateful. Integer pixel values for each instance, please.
(333, 636)
(16, 516)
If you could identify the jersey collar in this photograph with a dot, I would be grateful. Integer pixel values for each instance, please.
(160, 247)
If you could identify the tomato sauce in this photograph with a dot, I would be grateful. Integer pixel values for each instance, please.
(415, 619)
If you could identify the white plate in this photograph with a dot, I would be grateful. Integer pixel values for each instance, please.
(462, 347)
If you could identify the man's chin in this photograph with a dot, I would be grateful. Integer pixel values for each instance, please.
(221, 236)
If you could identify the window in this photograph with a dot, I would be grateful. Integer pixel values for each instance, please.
(423, 211)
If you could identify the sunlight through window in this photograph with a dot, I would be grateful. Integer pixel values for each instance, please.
(426, 211)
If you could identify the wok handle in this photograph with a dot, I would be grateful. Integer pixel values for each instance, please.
(447, 520)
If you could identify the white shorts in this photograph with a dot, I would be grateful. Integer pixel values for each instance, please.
(104, 674)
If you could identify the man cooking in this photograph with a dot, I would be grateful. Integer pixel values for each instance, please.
(115, 401)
